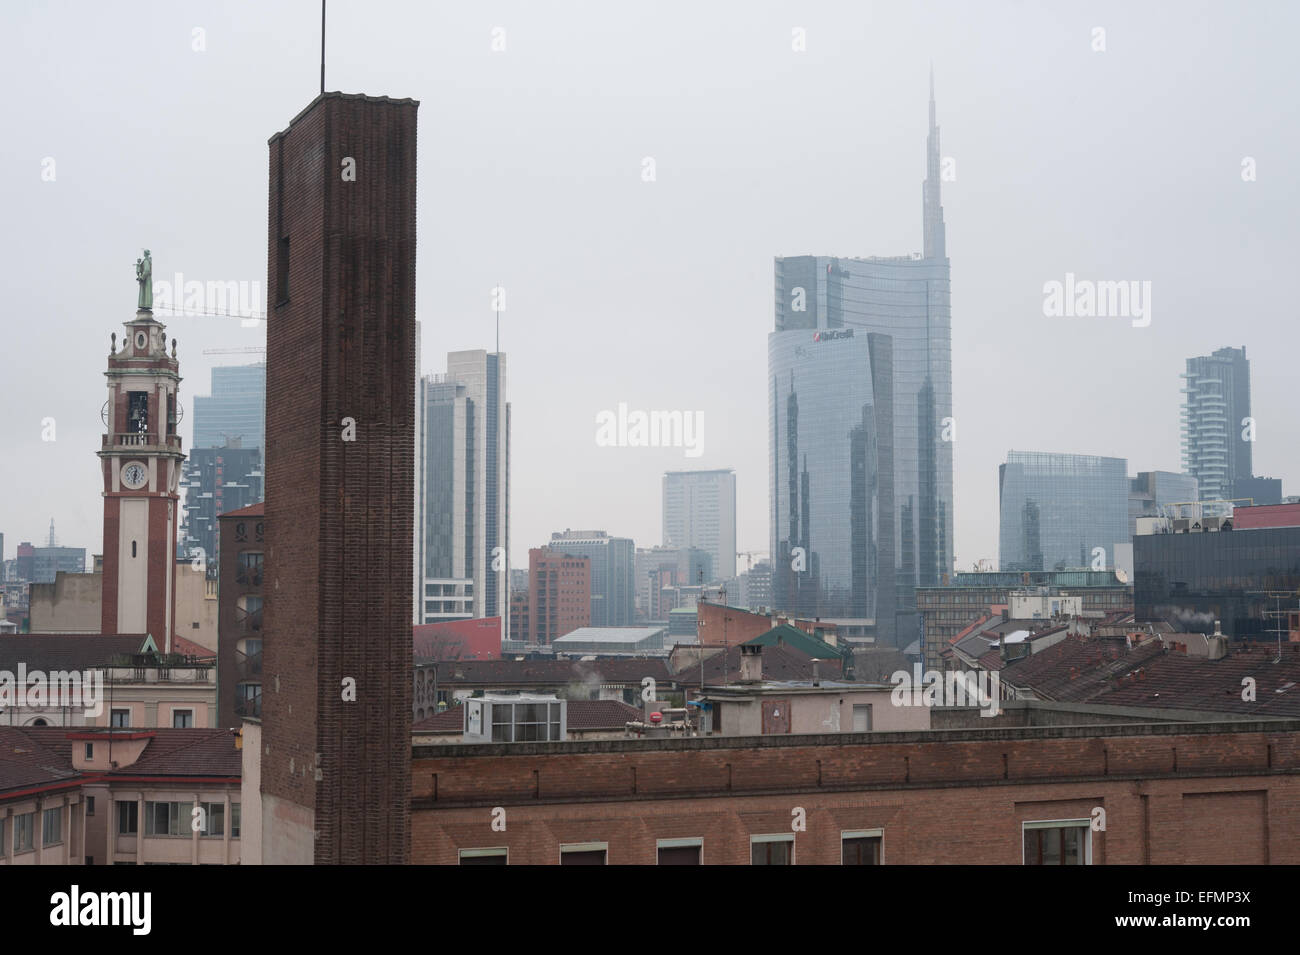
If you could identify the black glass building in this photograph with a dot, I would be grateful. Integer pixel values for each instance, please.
(1193, 579)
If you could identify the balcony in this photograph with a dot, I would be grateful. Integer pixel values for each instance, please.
(142, 440)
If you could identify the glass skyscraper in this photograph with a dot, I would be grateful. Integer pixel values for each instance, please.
(463, 508)
(1057, 508)
(1215, 406)
(860, 401)
(236, 409)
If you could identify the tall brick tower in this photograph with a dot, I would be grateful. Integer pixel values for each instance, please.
(140, 457)
(340, 438)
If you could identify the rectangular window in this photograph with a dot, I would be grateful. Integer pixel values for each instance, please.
(1057, 842)
(52, 827)
(584, 853)
(214, 819)
(90, 751)
(862, 718)
(121, 718)
(183, 719)
(128, 818)
(680, 851)
(498, 856)
(90, 805)
(771, 850)
(234, 820)
(167, 818)
(249, 570)
(24, 829)
(861, 847)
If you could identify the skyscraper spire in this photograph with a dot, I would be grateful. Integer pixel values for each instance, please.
(932, 208)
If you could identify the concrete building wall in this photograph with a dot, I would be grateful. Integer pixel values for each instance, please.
(250, 794)
(69, 605)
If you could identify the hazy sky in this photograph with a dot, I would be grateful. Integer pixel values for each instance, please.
(1124, 164)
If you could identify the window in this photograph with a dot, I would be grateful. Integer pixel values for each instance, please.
(1057, 842)
(249, 570)
(3, 827)
(90, 805)
(234, 820)
(52, 827)
(498, 856)
(525, 722)
(128, 818)
(214, 819)
(167, 818)
(183, 719)
(24, 826)
(680, 851)
(862, 718)
(861, 847)
(771, 850)
(584, 853)
(90, 751)
(121, 718)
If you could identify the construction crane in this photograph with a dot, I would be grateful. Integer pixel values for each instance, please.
(749, 556)
(249, 350)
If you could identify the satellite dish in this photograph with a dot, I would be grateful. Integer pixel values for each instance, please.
(1120, 575)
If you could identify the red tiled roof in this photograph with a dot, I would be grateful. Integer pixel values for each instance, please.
(1105, 672)
(32, 756)
(65, 651)
(252, 510)
(190, 648)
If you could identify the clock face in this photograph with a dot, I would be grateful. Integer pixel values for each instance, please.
(134, 475)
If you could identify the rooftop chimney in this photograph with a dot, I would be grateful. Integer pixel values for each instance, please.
(751, 663)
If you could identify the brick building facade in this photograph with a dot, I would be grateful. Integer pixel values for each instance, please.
(336, 711)
(1201, 793)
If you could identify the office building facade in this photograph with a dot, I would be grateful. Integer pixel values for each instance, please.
(1194, 571)
(1056, 510)
(699, 510)
(860, 402)
(613, 563)
(463, 503)
(236, 409)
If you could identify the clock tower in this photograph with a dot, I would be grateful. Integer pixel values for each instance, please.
(141, 464)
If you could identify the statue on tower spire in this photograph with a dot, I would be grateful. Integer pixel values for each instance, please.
(144, 276)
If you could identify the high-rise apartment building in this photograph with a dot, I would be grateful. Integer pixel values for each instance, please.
(613, 565)
(699, 510)
(1056, 510)
(216, 480)
(860, 400)
(463, 502)
(236, 409)
(1217, 430)
(340, 426)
